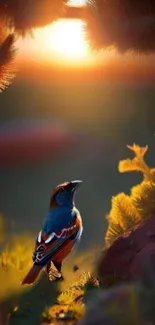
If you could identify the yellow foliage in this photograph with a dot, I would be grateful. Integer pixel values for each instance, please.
(77, 289)
(53, 311)
(127, 211)
(152, 171)
(122, 216)
(75, 310)
(17, 253)
(143, 197)
(15, 261)
(70, 302)
(114, 230)
(137, 163)
(139, 151)
(71, 295)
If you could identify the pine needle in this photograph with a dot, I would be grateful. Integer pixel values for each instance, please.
(7, 53)
(127, 211)
(143, 198)
(137, 163)
(122, 216)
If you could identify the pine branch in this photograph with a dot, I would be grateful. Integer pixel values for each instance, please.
(7, 53)
(70, 302)
(137, 163)
(122, 217)
(143, 198)
(124, 24)
(127, 211)
(23, 16)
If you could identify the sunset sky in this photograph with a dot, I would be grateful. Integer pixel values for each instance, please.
(64, 44)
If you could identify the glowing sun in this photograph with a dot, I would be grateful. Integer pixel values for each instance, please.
(63, 40)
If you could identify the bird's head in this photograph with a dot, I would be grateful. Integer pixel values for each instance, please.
(63, 194)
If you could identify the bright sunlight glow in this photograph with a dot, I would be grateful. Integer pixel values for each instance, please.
(77, 3)
(64, 41)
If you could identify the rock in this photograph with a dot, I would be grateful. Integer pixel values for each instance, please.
(126, 304)
(130, 257)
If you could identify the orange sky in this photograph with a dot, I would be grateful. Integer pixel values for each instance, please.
(62, 45)
(112, 71)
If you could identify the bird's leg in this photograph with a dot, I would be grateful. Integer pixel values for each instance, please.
(48, 270)
(52, 273)
(58, 266)
(48, 267)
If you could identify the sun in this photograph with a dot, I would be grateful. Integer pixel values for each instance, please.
(77, 3)
(64, 41)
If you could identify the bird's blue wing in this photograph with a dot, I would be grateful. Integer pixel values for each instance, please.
(48, 246)
(58, 219)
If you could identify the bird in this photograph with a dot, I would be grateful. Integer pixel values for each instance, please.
(61, 232)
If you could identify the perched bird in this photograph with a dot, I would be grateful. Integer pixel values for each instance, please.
(62, 229)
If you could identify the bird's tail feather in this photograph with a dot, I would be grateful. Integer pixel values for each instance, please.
(32, 275)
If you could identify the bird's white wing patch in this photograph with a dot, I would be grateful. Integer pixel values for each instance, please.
(50, 238)
(66, 232)
(39, 237)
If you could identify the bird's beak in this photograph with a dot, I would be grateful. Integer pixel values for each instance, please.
(75, 185)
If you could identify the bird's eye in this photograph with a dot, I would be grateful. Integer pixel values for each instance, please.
(62, 190)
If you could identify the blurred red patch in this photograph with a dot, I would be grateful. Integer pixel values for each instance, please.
(32, 142)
